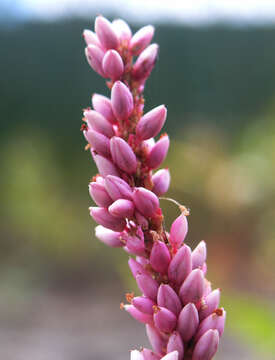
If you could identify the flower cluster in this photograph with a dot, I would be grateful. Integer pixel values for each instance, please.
(181, 312)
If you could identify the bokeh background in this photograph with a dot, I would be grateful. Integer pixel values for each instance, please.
(60, 288)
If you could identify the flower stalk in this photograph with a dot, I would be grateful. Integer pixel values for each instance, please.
(181, 312)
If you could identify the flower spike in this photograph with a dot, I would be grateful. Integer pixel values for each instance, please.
(176, 303)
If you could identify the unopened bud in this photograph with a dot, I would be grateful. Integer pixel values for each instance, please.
(112, 65)
(145, 62)
(122, 101)
(104, 218)
(141, 39)
(99, 123)
(103, 105)
(192, 287)
(108, 237)
(123, 155)
(160, 257)
(161, 180)
(151, 123)
(158, 153)
(122, 30)
(178, 231)
(99, 194)
(94, 55)
(105, 32)
(146, 201)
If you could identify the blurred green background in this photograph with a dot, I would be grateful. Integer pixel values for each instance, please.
(218, 82)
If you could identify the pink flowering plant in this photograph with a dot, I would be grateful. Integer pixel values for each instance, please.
(177, 305)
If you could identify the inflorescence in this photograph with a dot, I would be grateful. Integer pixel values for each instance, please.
(181, 311)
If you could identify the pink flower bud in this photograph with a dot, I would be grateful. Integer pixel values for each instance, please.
(91, 38)
(98, 122)
(147, 145)
(100, 180)
(145, 62)
(158, 153)
(112, 65)
(108, 237)
(141, 39)
(122, 208)
(161, 180)
(146, 201)
(207, 287)
(215, 321)
(156, 339)
(192, 288)
(103, 105)
(122, 30)
(178, 231)
(151, 123)
(149, 354)
(141, 220)
(204, 268)
(105, 166)
(188, 322)
(209, 304)
(207, 346)
(100, 143)
(123, 155)
(148, 286)
(168, 298)
(104, 218)
(142, 260)
(122, 100)
(175, 344)
(143, 304)
(180, 266)
(139, 316)
(134, 244)
(164, 319)
(94, 55)
(171, 356)
(118, 188)
(199, 255)
(105, 32)
(136, 355)
(136, 268)
(160, 257)
(99, 194)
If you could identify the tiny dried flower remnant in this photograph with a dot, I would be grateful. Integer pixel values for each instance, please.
(177, 305)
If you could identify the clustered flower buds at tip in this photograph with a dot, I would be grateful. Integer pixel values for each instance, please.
(180, 310)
